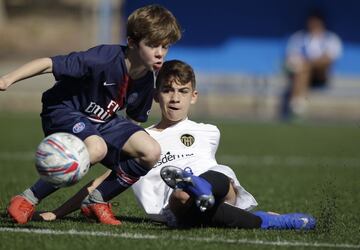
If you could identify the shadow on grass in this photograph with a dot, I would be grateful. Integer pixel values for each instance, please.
(37, 221)
(6, 221)
(81, 219)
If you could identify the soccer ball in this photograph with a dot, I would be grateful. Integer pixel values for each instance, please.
(62, 159)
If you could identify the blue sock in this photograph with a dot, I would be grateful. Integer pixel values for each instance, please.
(121, 178)
(39, 191)
(286, 221)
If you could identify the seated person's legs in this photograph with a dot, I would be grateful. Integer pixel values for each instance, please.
(299, 87)
(297, 73)
(304, 76)
(319, 75)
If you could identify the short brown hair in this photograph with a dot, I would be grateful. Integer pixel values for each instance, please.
(154, 23)
(177, 69)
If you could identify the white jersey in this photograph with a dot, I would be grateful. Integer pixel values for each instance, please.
(186, 144)
(312, 47)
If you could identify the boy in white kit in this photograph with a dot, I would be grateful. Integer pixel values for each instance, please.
(186, 144)
(208, 194)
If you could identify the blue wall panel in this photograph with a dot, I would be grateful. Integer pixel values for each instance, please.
(249, 36)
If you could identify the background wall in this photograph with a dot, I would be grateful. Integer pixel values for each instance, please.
(236, 48)
(250, 35)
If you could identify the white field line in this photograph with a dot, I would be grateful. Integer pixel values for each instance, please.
(180, 238)
(248, 160)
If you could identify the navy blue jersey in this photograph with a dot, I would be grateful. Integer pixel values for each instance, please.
(96, 83)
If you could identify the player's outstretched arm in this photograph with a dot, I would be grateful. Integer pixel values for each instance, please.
(74, 202)
(30, 69)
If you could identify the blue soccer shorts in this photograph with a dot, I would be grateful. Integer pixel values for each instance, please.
(115, 132)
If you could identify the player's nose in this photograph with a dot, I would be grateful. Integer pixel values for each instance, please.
(175, 97)
(159, 52)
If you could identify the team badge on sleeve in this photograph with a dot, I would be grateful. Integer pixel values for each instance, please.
(78, 127)
(132, 98)
(187, 140)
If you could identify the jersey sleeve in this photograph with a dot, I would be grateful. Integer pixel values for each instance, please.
(334, 46)
(295, 44)
(214, 139)
(140, 101)
(78, 64)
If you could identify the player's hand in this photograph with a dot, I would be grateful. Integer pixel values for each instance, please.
(3, 84)
(48, 216)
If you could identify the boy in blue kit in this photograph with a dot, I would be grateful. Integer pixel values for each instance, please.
(91, 87)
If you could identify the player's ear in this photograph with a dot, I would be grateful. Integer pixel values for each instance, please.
(131, 42)
(194, 97)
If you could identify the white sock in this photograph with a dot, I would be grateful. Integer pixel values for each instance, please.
(29, 195)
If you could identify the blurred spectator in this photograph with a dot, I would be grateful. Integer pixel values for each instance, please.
(310, 54)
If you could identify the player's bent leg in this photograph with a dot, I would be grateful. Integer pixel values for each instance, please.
(139, 153)
(144, 148)
(224, 213)
(220, 215)
(196, 186)
(96, 147)
(220, 184)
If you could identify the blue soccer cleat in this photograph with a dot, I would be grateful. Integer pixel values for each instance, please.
(194, 185)
(296, 221)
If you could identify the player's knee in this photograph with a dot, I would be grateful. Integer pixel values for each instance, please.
(97, 148)
(144, 148)
(179, 196)
(220, 183)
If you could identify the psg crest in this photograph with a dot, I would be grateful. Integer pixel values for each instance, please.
(187, 140)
